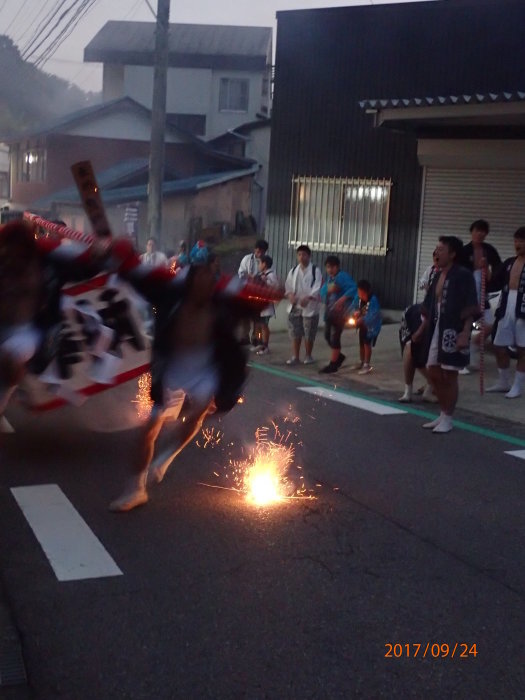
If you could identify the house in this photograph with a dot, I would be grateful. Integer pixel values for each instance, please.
(218, 76)
(252, 141)
(202, 187)
(392, 125)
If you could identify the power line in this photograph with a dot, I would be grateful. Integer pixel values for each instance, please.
(30, 47)
(35, 19)
(66, 31)
(24, 3)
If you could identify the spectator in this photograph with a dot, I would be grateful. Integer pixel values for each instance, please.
(267, 277)
(302, 288)
(248, 269)
(337, 293)
(367, 318)
(152, 256)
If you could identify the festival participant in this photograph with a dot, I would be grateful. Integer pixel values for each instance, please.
(32, 274)
(449, 308)
(197, 364)
(510, 320)
(337, 293)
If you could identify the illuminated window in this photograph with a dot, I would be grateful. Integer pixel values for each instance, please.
(31, 164)
(233, 95)
(345, 215)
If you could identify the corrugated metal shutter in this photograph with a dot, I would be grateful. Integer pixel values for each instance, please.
(453, 199)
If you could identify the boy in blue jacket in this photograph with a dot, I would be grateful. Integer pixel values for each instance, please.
(367, 317)
(338, 292)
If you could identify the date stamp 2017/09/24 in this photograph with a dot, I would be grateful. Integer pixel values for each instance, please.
(434, 650)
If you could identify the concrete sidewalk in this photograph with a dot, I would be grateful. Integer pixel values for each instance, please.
(386, 379)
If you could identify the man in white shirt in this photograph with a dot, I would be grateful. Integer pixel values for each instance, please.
(248, 270)
(302, 288)
(152, 256)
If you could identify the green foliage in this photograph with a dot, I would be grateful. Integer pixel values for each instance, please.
(29, 96)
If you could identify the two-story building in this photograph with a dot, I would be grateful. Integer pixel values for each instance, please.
(218, 77)
(392, 125)
(201, 188)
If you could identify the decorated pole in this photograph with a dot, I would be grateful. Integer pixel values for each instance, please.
(60, 229)
(483, 297)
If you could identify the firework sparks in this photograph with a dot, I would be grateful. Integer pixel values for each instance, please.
(143, 398)
(267, 474)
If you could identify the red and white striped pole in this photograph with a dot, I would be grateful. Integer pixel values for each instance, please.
(59, 229)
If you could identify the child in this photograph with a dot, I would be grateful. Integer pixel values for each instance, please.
(267, 277)
(367, 315)
(337, 292)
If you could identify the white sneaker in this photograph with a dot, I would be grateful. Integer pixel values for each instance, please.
(263, 350)
(514, 393)
(464, 370)
(406, 398)
(308, 360)
(365, 369)
(292, 361)
(498, 387)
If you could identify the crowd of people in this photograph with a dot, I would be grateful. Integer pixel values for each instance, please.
(203, 319)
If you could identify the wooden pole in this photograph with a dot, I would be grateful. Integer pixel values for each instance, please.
(158, 121)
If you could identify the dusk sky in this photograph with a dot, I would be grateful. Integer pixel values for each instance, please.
(21, 18)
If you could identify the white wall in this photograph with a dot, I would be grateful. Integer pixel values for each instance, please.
(191, 91)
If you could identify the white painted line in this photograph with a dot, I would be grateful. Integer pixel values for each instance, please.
(520, 454)
(71, 547)
(354, 401)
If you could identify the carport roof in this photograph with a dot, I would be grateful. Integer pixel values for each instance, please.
(480, 115)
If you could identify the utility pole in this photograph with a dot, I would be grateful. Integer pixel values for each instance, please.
(158, 121)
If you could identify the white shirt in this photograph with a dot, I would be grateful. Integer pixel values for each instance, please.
(301, 283)
(270, 280)
(249, 266)
(155, 259)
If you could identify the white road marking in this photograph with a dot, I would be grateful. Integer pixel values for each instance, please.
(520, 454)
(355, 401)
(73, 550)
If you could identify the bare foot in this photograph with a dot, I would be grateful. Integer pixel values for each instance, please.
(131, 498)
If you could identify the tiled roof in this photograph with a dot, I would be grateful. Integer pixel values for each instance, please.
(478, 98)
(115, 195)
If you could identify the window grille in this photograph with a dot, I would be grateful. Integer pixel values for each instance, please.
(343, 215)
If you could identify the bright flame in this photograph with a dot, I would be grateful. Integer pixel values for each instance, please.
(263, 481)
(351, 321)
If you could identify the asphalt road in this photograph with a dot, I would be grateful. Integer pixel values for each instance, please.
(412, 539)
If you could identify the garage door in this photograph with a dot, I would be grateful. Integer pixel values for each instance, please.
(453, 199)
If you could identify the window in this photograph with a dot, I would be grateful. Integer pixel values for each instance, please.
(233, 95)
(345, 215)
(31, 164)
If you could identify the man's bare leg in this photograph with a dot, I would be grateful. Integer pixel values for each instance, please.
(187, 430)
(135, 493)
(445, 385)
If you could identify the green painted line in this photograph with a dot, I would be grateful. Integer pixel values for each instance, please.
(485, 432)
